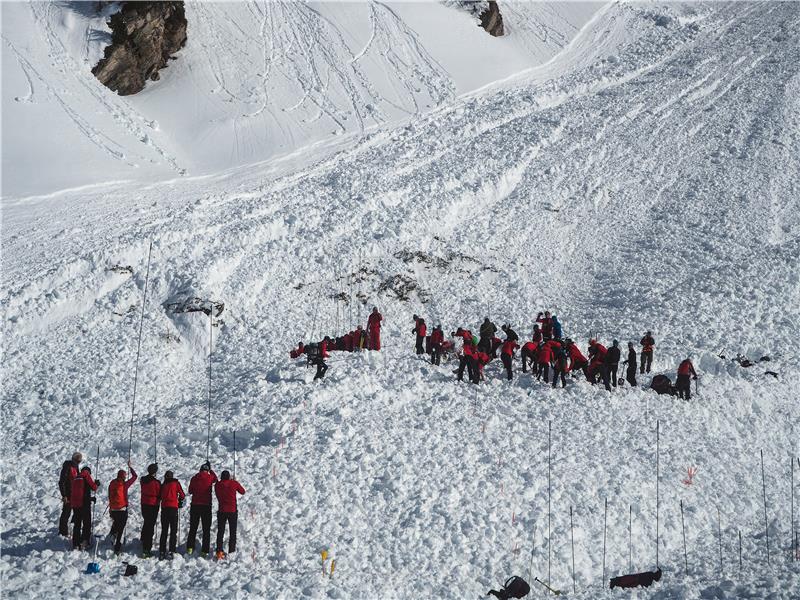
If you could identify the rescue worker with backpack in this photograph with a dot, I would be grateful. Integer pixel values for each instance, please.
(560, 367)
(151, 496)
(200, 487)
(683, 385)
(437, 341)
(316, 355)
(226, 490)
(172, 497)
(81, 500)
(647, 343)
(612, 364)
(630, 374)
(118, 505)
(69, 471)
(421, 330)
(374, 329)
(507, 354)
(486, 332)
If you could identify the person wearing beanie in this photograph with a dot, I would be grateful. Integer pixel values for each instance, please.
(69, 471)
(118, 504)
(630, 373)
(151, 491)
(200, 487)
(171, 496)
(612, 364)
(226, 490)
(374, 329)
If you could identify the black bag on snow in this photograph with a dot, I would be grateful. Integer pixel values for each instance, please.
(313, 352)
(662, 385)
(514, 587)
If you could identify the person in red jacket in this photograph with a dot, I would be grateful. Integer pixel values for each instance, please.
(118, 504)
(172, 497)
(577, 361)
(151, 493)
(481, 360)
(507, 354)
(200, 488)
(683, 385)
(544, 357)
(528, 354)
(297, 352)
(437, 341)
(374, 329)
(597, 357)
(81, 499)
(69, 471)
(547, 325)
(226, 490)
(421, 330)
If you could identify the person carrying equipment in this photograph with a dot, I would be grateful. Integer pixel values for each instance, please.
(69, 471)
(547, 325)
(507, 354)
(486, 333)
(557, 331)
(421, 330)
(171, 497)
(597, 356)
(647, 343)
(683, 385)
(200, 487)
(226, 490)
(374, 329)
(151, 493)
(81, 499)
(612, 363)
(510, 333)
(437, 341)
(630, 374)
(118, 505)
(316, 355)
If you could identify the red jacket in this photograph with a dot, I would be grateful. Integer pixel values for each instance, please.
(296, 352)
(226, 494)
(576, 356)
(422, 329)
(547, 325)
(469, 349)
(374, 321)
(171, 493)
(323, 350)
(545, 355)
(509, 346)
(151, 490)
(530, 347)
(554, 345)
(686, 368)
(79, 490)
(483, 359)
(200, 487)
(437, 337)
(118, 492)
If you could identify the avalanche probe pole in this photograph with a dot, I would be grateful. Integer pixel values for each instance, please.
(658, 435)
(766, 521)
(210, 350)
(155, 442)
(139, 349)
(96, 475)
(549, 493)
(234, 454)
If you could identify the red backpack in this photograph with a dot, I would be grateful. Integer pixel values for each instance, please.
(77, 491)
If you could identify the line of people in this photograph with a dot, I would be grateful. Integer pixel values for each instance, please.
(78, 493)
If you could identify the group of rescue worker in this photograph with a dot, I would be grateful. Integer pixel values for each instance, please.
(78, 494)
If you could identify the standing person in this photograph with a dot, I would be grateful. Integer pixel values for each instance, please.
(486, 333)
(81, 500)
(647, 343)
(421, 330)
(507, 354)
(118, 505)
(226, 490)
(200, 487)
(437, 340)
(557, 331)
(510, 333)
(317, 353)
(536, 336)
(460, 344)
(612, 362)
(560, 367)
(374, 329)
(69, 471)
(172, 497)
(547, 325)
(151, 493)
(545, 357)
(630, 373)
(683, 385)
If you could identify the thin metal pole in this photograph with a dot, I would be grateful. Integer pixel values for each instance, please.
(658, 478)
(234, 454)
(572, 535)
(794, 542)
(605, 520)
(139, 349)
(210, 351)
(719, 535)
(740, 552)
(155, 442)
(766, 521)
(630, 538)
(683, 528)
(549, 494)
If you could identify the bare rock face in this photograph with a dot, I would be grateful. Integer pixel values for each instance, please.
(144, 37)
(492, 20)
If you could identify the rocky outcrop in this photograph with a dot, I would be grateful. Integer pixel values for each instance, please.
(492, 20)
(144, 37)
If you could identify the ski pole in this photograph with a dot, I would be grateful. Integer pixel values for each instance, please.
(139, 349)
(234, 454)
(551, 590)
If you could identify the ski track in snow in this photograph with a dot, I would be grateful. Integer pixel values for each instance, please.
(644, 178)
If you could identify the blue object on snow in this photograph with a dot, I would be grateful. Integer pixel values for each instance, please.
(92, 567)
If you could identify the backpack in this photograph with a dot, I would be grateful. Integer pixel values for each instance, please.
(313, 352)
(77, 491)
(662, 385)
(116, 495)
(514, 587)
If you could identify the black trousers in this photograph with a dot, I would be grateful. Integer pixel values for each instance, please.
(581, 366)
(321, 369)
(630, 375)
(231, 519)
(63, 520)
(506, 358)
(684, 387)
(646, 361)
(169, 526)
(474, 369)
(471, 366)
(612, 371)
(198, 513)
(558, 373)
(81, 525)
(544, 371)
(420, 344)
(149, 515)
(527, 357)
(485, 345)
(119, 518)
(605, 374)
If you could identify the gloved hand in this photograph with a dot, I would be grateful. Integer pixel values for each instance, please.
(94, 499)
(97, 481)
(180, 502)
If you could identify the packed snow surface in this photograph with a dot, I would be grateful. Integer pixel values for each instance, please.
(643, 177)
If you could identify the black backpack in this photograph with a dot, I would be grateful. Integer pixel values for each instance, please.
(312, 352)
(514, 587)
(662, 385)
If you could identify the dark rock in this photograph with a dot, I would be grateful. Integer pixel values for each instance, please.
(492, 20)
(145, 35)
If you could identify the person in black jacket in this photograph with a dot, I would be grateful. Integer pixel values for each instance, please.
(630, 374)
(486, 333)
(612, 364)
(69, 471)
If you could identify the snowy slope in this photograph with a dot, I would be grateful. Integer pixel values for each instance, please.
(256, 80)
(645, 178)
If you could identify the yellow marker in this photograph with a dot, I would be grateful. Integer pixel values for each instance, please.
(333, 566)
(324, 554)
